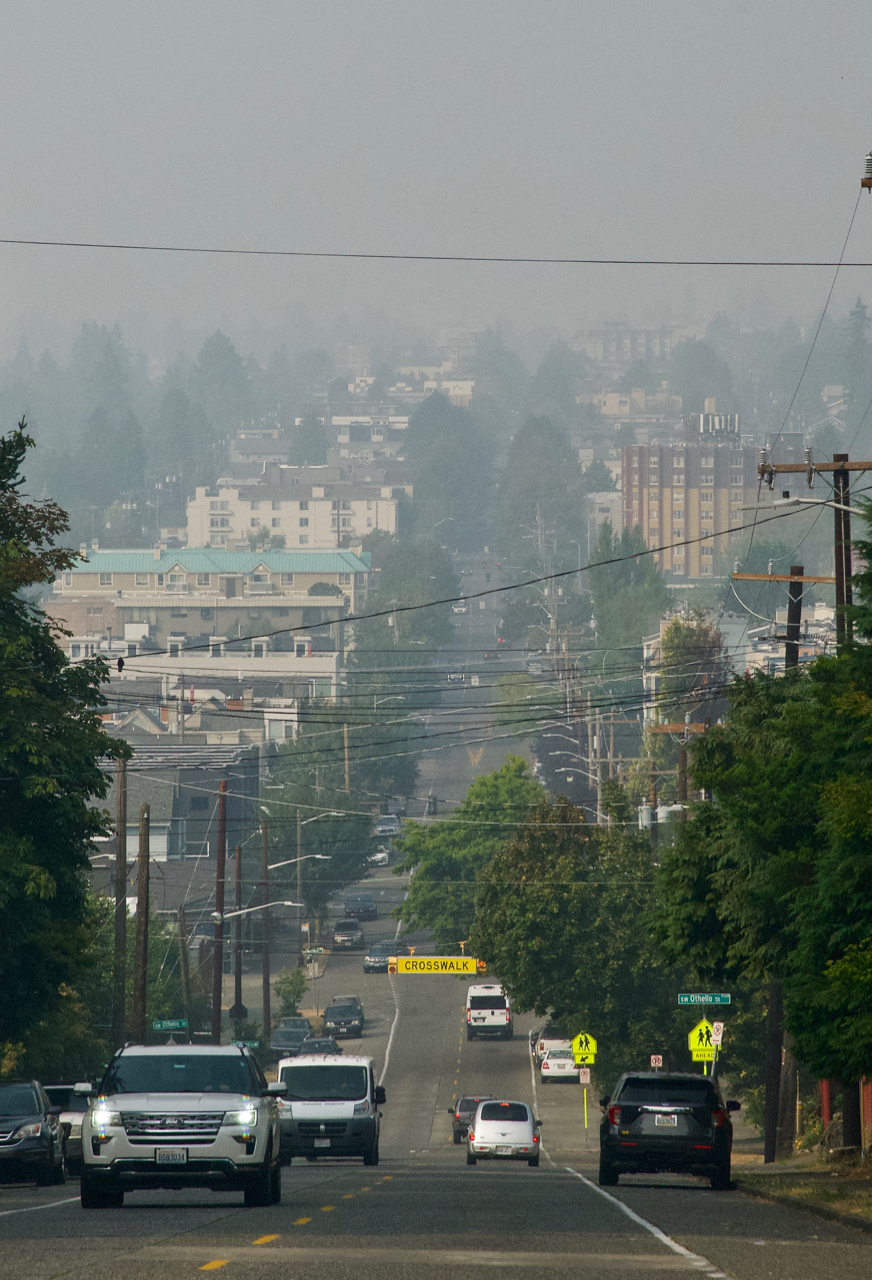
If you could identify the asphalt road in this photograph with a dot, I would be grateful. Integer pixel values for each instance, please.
(422, 1211)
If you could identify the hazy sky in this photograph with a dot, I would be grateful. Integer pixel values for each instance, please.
(603, 128)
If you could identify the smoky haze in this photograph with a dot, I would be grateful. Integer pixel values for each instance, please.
(557, 129)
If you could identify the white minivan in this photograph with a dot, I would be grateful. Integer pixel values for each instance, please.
(488, 1011)
(330, 1108)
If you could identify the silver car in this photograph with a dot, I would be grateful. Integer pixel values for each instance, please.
(502, 1130)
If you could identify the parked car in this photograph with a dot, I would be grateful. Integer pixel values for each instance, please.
(557, 1065)
(348, 934)
(73, 1107)
(355, 1000)
(551, 1036)
(32, 1144)
(503, 1131)
(378, 956)
(396, 808)
(388, 825)
(361, 906)
(456, 677)
(288, 1036)
(460, 606)
(659, 1123)
(319, 1044)
(343, 1020)
(381, 857)
(462, 1113)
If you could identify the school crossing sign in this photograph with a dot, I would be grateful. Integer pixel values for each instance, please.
(584, 1049)
(700, 1043)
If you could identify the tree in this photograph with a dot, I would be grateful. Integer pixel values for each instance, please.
(628, 596)
(290, 987)
(446, 857)
(309, 442)
(696, 373)
(452, 464)
(52, 744)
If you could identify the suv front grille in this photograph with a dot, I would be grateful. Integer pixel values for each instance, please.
(192, 1128)
(321, 1129)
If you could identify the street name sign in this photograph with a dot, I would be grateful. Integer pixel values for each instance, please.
(704, 997)
(170, 1024)
(700, 1042)
(435, 964)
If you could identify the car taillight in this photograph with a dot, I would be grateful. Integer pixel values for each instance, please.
(535, 1137)
(469, 1015)
(719, 1118)
(508, 1017)
(457, 1115)
(614, 1115)
(545, 1066)
(470, 1135)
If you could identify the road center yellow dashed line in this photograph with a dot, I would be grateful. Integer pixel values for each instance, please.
(327, 1208)
(301, 1222)
(265, 1239)
(213, 1266)
(364, 1188)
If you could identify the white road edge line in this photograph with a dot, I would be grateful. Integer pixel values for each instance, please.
(392, 980)
(32, 1208)
(696, 1259)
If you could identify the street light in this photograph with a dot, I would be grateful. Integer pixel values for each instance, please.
(320, 857)
(220, 916)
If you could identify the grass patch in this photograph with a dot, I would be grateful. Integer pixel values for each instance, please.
(849, 1191)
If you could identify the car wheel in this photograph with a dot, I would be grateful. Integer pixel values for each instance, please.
(92, 1197)
(59, 1173)
(720, 1178)
(534, 1163)
(508, 1035)
(470, 1035)
(457, 1138)
(371, 1157)
(608, 1174)
(258, 1193)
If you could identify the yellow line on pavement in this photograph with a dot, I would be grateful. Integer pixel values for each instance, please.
(213, 1266)
(326, 1208)
(349, 1195)
(265, 1239)
(301, 1222)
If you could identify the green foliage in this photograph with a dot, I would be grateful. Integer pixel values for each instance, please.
(697, 373)
(452, 464)
(629, 596)
(309, 442)
(324, 589)
(290, 987)
(445, 857)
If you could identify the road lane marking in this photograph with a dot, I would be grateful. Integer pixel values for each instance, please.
(349, 1195)
(32, 1208)
(213, 1266)
(265, 1239)
(327, 1208)
(695, 1259)
(396, 1020)
(469, 1259)
(301, 1222)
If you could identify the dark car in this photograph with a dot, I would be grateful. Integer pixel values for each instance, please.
(658, 1123)
(379, 954)
(320, 1044)
(361, 906)
(462, 1112)
(343, 1020)
(289, 1036)
(32, 1145)
(353, 1000)
(347, 934)
(72, 1107)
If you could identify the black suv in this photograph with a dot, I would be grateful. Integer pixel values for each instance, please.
(659, 1123)
(361, 906)
(32, 1143)
(462, 1114)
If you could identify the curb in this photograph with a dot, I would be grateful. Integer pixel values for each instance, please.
(820, 1211)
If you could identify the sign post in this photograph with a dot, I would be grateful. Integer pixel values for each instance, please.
(584, 1079)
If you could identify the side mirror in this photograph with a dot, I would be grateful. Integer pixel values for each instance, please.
(277, 1089)
(84, 1089)
(451, 1111)
(538, 1124)
(604, 1102)
(732, 1105)
(380, 1095)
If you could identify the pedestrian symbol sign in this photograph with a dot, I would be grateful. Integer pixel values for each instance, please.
(583, 1049)
(700, 1042)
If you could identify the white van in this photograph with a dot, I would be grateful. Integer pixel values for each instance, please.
(331, 1107)
(488, 1011)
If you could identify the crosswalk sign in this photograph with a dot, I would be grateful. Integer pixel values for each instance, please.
(700, 1042)
(583, 1049)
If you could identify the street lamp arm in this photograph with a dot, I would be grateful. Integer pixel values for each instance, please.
(229, 915)
(321, 857)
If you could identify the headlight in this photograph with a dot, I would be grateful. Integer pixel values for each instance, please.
(29, 1130)
(362, 1108)
(247, 1116)
(102, 1118)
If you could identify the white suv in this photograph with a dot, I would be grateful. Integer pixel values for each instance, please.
(181, 1116)
(488, 1012)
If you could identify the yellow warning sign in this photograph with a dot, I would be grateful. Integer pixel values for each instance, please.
(700, 1042)
(435, 964)
(584, 1048)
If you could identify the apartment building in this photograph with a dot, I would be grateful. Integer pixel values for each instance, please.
(307, 506)
(680, 493)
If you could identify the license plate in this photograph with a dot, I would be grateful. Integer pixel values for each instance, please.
(504, 1151)
(322, 1142)
(171, 1155)
(668, 1122)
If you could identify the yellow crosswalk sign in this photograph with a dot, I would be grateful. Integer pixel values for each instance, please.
(584, 1049)
(700, 1043)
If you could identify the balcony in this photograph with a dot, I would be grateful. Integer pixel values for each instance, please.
(260, 589)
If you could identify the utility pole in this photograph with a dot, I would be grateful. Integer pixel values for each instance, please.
(237, 949)
(140, 958)
(842, 548)
(184, 967)
(119, 1001)
(299, 879)
(347, 769)
(794, 616)
(218, 948)
(264, 947)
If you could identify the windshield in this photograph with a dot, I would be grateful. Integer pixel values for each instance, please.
(294, 1024)
(668, 1093)
(346, 926)
(487, 1002)
(511, 1112)
(180, 1073)
(558, 1053)
(327, 1083)
(290, 1035)
(341, 1011)
(18, 1100)
(468, 1104)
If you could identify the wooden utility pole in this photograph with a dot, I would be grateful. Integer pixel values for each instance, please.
(347, 769)
(140, 958)
(119, 999)
(842, 549)
(265, 940)
(794, 617)
(184, 967)
(237, 949)
(300, 880)
(218, 947)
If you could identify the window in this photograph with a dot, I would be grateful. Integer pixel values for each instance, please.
(369, 524)
(105, 579)
(255, 506)
(219, 522)
(255, 523)
(276, 522)
(346, 522)
(287, 579)
(205, 614)
(276, 504)
(75, 651)
(176, 579)
(707, 462)
(304, 505)
(304, 522)
(95, 610)
(369, 506)
(68, 579)
(346, 506)
(345, 579)
(219, 506)
(141, 579)
(204, 579)
(304, 539)
(160, 579)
